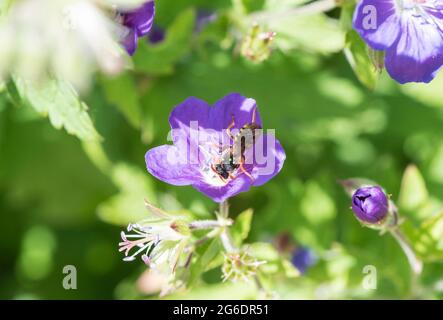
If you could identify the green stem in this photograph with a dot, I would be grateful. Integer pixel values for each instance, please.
(225, 237)
(209, 224)
(414, 261)
(228, 245)
(224, 209)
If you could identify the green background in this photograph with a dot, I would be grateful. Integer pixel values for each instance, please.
(63, 201)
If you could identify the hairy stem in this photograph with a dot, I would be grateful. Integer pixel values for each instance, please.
(224, 209)
(209, 224)
(228, 245)
(225, 237)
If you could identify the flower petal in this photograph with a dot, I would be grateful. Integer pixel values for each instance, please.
(418, 53)
(130, 42)
(234, 107)
(268, 160)
(219, 194)
(382, 32)
(190, 123)
(166, 163)
(141, 19)
(192, 109)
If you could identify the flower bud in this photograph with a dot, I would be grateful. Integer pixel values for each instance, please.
(370, 205)
(257, 45)
(240, 266)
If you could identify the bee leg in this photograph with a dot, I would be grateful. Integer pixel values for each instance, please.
(246, 172)
(228, 129)
(254, 114)
(215, 171)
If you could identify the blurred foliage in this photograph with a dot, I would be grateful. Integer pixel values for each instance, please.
(60, 196)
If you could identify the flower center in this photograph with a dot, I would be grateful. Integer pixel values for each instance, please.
(410, 4)
(211, 169)
(419, 9)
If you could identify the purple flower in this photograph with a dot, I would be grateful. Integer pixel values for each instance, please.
(303, 258)
(219, 150)
(139, 22)
(409, 31)
(370, 204)
(156, 35)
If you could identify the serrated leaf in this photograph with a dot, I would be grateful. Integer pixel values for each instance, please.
(59, 101)
(413, 191)
(241, 227)
(159, 59)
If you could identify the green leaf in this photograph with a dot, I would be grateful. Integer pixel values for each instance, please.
(413, 192)
(356, 52)
(241, 227)
(128, 205)
(59, 101)
(121, 91)
(428, 239)
(160, 59)
(208, 253)
(325, 35)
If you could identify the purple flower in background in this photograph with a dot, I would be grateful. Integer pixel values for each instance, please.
(370, 204)
(139, 22)
(303, 258)
(409, 31)
(156, 35)
(204, 17)
(219, 150)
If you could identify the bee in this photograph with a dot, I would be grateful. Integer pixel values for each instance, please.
(233, 158)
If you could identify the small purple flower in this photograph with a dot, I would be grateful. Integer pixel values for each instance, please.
(409, 31)
(370, 204)
(303, 258)
(209, 150)
(139, 22)
(156, 35)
